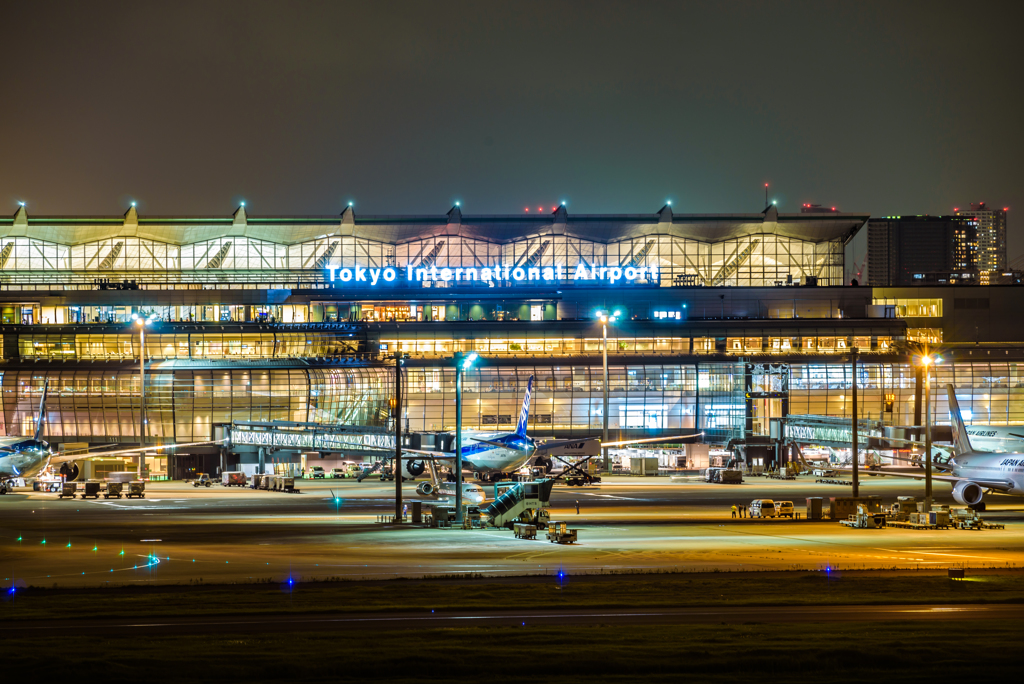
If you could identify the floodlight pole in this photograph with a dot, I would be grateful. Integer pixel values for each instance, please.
(459, 357)
(398, 437)
(853, 432)
(928, 437)
(604, 384)
(142, 394)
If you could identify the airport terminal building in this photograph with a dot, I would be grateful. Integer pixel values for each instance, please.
(726, 321)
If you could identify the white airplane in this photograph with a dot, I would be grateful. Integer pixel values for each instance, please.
(22, 457)
(491, 456)
(974, 473)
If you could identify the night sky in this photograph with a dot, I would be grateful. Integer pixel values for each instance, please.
(297, 108)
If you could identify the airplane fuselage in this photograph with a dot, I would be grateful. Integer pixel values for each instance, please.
(991, 467)
(481, 453)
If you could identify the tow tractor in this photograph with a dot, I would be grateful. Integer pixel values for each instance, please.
(202, 481)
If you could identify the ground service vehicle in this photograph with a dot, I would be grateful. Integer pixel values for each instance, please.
(316, 473)
(203, 480)
(723, 475)
(338, 473)
(235, 478)
(559, 533)
(784, 509)
(762, 508)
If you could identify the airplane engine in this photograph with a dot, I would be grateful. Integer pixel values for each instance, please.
(69, 469)
(413, 468)
(424, 489)
(967, 493)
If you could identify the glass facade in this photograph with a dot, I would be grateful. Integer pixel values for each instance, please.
(100, 405)
(740, 250)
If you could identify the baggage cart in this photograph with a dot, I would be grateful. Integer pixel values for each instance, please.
(233, 479)
(525, 531)
(559, 533)
(136, 488)
(68, 489)
(113, 490)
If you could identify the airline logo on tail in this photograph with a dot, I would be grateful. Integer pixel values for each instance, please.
(961, 440)
(524, 415)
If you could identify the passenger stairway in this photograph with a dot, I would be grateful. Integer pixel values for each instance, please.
(520, 502)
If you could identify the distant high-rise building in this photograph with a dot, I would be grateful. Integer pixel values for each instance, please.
(915, 250)
(991, 254)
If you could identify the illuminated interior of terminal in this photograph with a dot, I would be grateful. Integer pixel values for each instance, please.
(747, 319)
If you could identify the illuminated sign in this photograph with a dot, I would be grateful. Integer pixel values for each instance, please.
(492, 274)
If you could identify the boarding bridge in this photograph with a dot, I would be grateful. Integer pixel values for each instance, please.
(306, 437)
(520, 502)
(837, 432)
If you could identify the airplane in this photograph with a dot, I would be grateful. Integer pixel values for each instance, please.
(973, 473)
(22, 457)
(491, 456)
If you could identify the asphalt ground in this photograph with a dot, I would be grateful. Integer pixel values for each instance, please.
(367, 622)
(180, 534)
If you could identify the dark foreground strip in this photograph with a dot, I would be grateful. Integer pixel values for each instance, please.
(420, 620)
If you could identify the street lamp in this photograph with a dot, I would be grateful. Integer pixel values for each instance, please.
(928, 361)
(606, 318)
(141, 323)
(463, 362)
(396, 412)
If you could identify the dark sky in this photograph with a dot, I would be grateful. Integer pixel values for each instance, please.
(298, 107)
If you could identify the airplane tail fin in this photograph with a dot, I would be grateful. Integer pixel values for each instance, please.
(524, 415)
(961, 441)
(42, 410)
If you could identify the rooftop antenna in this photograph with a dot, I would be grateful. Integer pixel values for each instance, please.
(766, 194)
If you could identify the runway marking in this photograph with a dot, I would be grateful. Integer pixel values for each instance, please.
(611, 496)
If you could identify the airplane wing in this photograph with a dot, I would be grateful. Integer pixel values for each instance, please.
(64, 458)
(651, 440)
(998, 485)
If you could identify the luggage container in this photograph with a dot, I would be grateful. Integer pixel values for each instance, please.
(68, 489)
(91, 488)
(113, 490)
(136, 488)
(525, 531)
(234, 478)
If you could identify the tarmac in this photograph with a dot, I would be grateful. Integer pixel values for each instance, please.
(179, 534)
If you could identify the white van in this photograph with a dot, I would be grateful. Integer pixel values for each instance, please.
(784, 509)
(762, 508)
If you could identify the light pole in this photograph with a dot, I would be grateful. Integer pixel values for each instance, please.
(396, 412)
(855, 447)
(462, 363)
(606, 318)
(142, 323)
(927, 361)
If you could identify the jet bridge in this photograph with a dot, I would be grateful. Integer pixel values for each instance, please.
(252, 436)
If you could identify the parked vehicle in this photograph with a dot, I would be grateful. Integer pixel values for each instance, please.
(316, 473)
(338, 473)
(784, 509)
(234, 478)
(763, 508)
